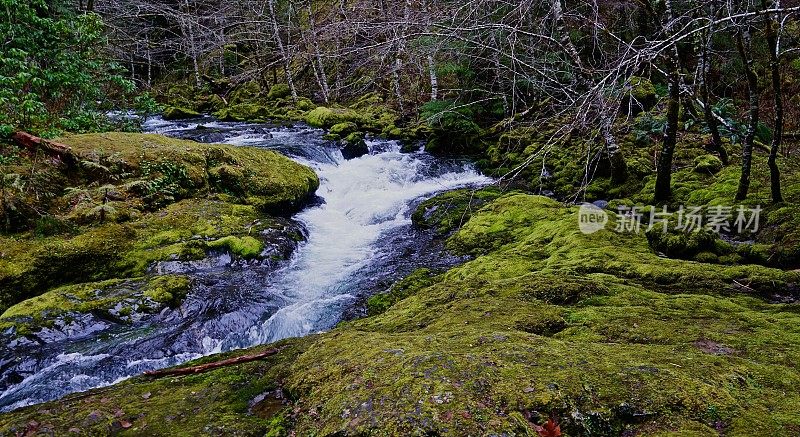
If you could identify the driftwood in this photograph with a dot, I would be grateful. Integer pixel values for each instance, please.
(211, 366)
(52, 148)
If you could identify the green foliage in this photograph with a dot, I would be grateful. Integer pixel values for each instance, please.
(453, 126)
(52, 71)
(168, 181)
(647, 126)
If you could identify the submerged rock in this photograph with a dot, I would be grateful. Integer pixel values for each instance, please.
(354, 146)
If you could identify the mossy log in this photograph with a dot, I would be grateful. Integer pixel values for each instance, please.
(214, 365)
(52, 148)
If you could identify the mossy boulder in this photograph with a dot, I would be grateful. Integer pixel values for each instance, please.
(121, 300)
(244, 112)
(245, 247)
(176, 113)
(343, 129)
(210, 103)
(171, 199)
(708, 164)
(447, 212)
(324, 117)
(279, 91)
(168, 289)
(640, 96)
(354, 146)
(245, 93)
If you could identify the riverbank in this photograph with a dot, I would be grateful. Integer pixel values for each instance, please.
(611, 332)
(594, 329)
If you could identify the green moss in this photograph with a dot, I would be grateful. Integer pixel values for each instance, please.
(226, 402)
(185, 168)
(279, 91)
(707, 164)
(105, 297)
(246, 247)
(175, 113)
(168, 289)
(641, 95)
(596, 329)
(417, 280)
(247, 92)
(446, 212)
(167, 194)
(327, 117)
(343, 129)
(244, 112)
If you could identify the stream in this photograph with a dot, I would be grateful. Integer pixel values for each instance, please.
(359, 240)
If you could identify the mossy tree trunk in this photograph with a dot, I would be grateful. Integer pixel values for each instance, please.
(663, 190)
(664, 171)
(743, 43)
(772, 28)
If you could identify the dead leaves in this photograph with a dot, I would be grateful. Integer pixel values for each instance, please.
(549, 429)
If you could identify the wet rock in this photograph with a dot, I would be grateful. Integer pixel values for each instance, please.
(354, 146)
(175, 113)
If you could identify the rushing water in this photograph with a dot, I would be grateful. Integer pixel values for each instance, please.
(359, 239)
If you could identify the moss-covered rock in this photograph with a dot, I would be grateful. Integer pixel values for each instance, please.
(244, 112)
(246, 247)
(354, 146)
(244, 93)
(343, 129)
(446, 212)
(123, 300)
(279, 91)
(597, 330)
(176, 113)
(327, 117)
(172, 200)
(707, 164)
(640, 96)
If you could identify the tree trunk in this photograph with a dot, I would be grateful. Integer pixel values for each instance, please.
(663, 190)
(282, 50)
(705, 95)
(744, 45)
(319, 66)
(772, 27)
(664, 171)
(51, 148)
(434, 78)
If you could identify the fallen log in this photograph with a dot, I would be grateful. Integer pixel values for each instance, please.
(52, 148)
(211, 366)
